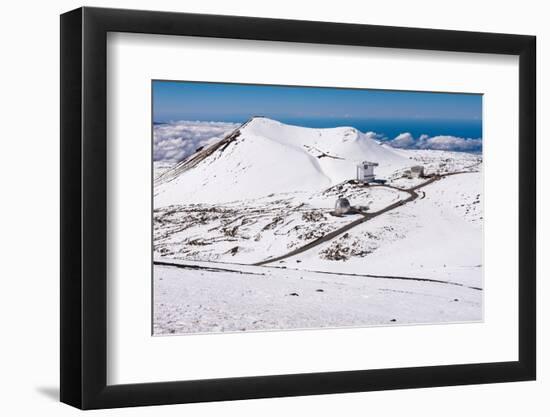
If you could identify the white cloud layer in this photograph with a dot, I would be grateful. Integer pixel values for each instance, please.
(375, 136)
(175, 141)
(442, 143)
(404, 140)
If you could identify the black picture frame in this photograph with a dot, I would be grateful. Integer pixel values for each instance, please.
(84, 208)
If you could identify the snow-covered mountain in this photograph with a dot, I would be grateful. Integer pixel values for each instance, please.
(264, 157)
(245, 236)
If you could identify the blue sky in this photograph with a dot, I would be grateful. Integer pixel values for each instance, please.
(238, 102)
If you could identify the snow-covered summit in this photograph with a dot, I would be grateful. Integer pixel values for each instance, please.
(343, 142)
(264, 156)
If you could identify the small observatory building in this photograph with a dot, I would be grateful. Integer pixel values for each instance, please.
(365, 171)
(417, 171)
(414, 172)
(342, 206)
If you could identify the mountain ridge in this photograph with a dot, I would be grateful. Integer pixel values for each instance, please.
(263, 156)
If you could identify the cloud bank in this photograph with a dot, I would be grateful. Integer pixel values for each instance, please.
(175, 141)
(441, 143)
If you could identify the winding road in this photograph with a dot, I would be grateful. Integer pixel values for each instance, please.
(413, 195)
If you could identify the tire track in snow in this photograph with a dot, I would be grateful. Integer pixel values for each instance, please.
(374, 276)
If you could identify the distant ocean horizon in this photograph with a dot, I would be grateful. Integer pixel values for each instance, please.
(388, 128)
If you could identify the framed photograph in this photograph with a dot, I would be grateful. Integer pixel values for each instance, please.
(257, 208)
